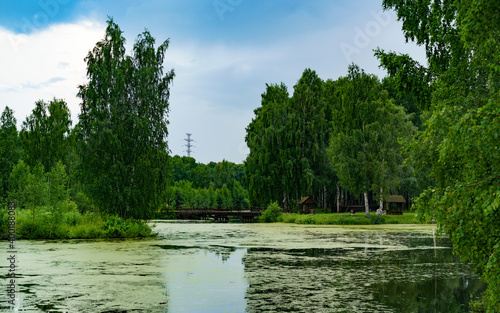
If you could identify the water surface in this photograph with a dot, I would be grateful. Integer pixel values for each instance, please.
(194, 267)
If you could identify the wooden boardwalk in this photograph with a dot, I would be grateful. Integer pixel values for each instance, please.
(247, 215)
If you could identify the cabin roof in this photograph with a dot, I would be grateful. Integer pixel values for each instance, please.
(395, 199)
(307, 200)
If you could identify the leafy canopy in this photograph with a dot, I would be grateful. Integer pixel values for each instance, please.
(122, 131)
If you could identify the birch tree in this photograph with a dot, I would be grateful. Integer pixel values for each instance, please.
(123, 124)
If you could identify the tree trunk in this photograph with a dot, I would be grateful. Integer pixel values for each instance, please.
(381, 201)
(324, 198)
(34, 204)
(367, 207)
(285, 207)
(297, 199)
(338, 198)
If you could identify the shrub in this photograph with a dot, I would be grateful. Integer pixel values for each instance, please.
(116, 227)
(271, 214)
(305, 219)
(72, 218)
(66, 222)
(287, 218)
(4, 219)
(377, 219)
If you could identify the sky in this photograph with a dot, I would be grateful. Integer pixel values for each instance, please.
(223, 52)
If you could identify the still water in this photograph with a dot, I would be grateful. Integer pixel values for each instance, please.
(193, 267)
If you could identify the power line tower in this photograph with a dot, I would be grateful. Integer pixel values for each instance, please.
(188, 144)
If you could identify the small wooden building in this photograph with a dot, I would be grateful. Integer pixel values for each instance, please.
(394, 204)
(307, 205)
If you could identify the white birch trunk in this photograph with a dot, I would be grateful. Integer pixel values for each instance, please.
(367, 207)
(381, 201)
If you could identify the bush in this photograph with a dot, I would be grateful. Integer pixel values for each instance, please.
(377, 219)
(72, 218)
(287, 218)
(66, 222)
(116, 227)
(271, 214)
(4, 219)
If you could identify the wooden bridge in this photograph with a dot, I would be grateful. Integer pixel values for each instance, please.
(219, 214)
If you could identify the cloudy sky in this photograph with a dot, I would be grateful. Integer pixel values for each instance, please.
(223, 53)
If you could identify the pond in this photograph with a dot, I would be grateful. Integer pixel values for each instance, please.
(204, 267)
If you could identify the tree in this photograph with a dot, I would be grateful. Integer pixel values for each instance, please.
(44, 133)
(30, 187)
(459, 142)
(364, 147)
(123, 124)
(10, 149)
(353, 112)
(265, 164)
(307, 137)
(287, 140)
(392, 127)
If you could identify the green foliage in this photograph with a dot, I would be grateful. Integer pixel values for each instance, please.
(123, 125)
(44, 133)
(265, 166)
(116, 227)
(41, 227)
(271, 214)
(71, 224)
(458, 145)
(287, 140)
(348, 219)
(183, 194)
(365, 147)
(477, 306)
(83, 202)
(10, 149)
(4, 219)
(32, 187)
(377, 219)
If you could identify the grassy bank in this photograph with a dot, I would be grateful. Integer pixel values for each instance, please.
(348, 219)
(49, 223)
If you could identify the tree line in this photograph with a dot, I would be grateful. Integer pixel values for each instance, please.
(212, 185)
(331, 140)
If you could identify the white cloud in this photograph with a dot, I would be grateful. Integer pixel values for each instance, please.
(217, 85)
(46, 64)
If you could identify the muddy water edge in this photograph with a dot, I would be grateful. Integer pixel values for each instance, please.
(205, 267)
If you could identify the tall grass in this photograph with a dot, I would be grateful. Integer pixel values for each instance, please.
(348, 219)
(52, 223)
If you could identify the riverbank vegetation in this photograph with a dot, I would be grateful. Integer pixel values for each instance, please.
(348, 219)
(427, 131)
(55, 223)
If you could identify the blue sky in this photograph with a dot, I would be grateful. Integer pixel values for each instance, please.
(223, 53)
